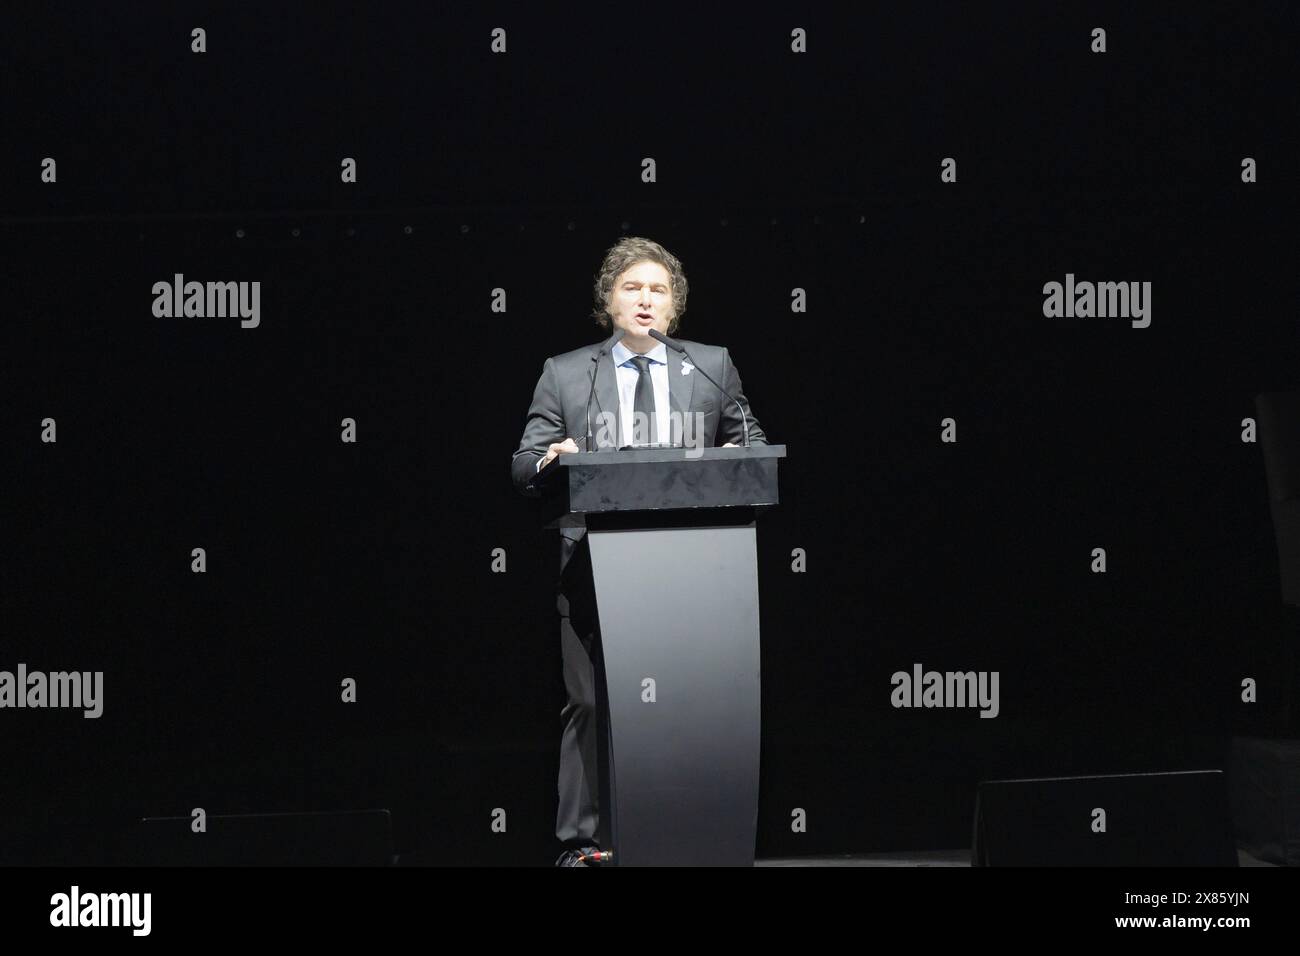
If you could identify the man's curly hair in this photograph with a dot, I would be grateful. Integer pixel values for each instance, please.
(623, 255)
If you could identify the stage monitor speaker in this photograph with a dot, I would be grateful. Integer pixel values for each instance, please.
(346, 838)
(1139, 819)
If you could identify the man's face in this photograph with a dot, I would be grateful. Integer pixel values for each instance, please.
(642, 300)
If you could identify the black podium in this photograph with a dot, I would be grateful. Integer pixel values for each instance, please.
(675, 577)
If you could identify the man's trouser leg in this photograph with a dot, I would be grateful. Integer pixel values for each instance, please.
(582, 747)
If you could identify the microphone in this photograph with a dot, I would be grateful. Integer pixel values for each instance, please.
(595, 367)
(678, 347)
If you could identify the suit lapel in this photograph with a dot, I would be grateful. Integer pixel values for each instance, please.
(680, 387)
(607, 401)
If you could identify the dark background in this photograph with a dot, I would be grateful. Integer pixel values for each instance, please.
(818, 171)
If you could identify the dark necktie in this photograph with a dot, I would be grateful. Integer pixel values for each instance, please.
(644, 404)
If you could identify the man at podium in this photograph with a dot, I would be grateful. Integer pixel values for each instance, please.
(597, 398)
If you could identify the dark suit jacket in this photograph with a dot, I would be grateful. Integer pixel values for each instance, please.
(559, 408)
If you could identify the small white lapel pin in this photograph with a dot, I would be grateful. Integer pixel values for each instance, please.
(687, 368)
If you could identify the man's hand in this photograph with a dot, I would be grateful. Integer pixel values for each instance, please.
(566, 447)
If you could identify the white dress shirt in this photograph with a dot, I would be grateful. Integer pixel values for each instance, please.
(626, 371)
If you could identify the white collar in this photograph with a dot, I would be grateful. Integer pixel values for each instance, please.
(621, 353)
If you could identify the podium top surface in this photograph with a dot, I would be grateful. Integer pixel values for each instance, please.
(657, 480)
(639, 455)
